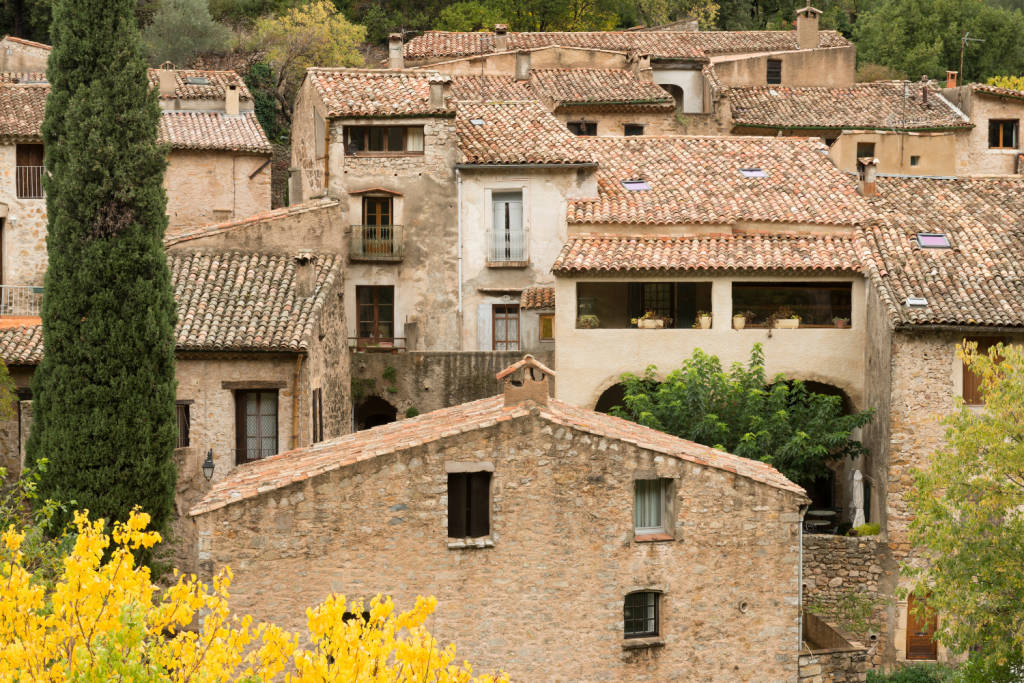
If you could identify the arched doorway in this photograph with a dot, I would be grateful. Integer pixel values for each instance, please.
(374, 412)
(676, 92)
(613, 396)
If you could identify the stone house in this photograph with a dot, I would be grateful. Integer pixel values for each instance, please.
(908, 127)
(994, 146)
(219, 166)
(665, 553)
(18, 55)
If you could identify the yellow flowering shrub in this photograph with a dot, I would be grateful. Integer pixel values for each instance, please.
(104, 621)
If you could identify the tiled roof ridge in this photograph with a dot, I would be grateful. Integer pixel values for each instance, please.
(30, 43)
(213, 130)
(996, 90)
(538, 297)
(228, 226)
(735, 232)
(278, 471)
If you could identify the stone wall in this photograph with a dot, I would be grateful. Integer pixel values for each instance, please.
(546, 600)
(22, 57)
(837, 657)
(433, 380)
(191, 487)
(211, 186)
(282, 160)
(24, 227)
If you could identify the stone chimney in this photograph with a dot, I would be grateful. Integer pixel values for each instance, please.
(951, 79)
(168, 81)
(439, 88)
(500, 37)
(807, 28)
(642, 68)
(231, 100)
(924, 90)
(523, 65)
(533, 387)
(867, 167)
(395, 58)
(305, 274)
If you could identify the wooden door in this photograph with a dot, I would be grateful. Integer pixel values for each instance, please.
(921, 631)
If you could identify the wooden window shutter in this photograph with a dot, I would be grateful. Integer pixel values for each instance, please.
(971, 381)
(239, 427)
(457, 500)
(921, 643)
(479, 504)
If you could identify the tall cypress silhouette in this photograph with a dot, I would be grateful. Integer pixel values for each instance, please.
(104, 393)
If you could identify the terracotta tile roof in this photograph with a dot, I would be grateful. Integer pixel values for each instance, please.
(515, 133)
(865, 105)
(276, 472)
(357, 93)
(23, 77)
(698, 180)
(184, 234)
(775, 251)
(569, 87)
(22, 345)
(695, 45)
(538, 297)
(21, 110)
(244, 302)
(491, 89)
(213, 130)
(219, 81)
(994, 90)
(980, 280)
(30, 43)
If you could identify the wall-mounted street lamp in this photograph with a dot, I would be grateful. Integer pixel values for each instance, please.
(208, 465)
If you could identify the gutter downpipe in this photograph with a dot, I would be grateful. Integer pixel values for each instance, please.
(295, 403)
(800, 583)
(458, 174)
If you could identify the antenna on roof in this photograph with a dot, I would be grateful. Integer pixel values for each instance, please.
(964, 39)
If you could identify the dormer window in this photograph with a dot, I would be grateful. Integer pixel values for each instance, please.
(753, 173)
(636, 185)
(932, 240)
(197, 80)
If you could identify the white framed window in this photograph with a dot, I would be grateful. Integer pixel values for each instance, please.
(649, 506)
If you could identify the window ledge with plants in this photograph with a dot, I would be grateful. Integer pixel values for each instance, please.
(642, 643)
(470, 543)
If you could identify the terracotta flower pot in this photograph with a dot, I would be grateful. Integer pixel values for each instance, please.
(842, 325)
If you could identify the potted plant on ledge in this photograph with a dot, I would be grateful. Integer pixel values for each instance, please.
(703, 320)
(783, 319)
(742, 319)
(841, 323)
(651, 321)
(587, 322)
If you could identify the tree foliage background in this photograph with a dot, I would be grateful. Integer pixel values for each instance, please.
(744, 412)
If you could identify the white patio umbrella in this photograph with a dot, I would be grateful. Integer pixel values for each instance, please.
(858, 498)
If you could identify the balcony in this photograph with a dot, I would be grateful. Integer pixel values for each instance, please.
(22, 302)
(29, 181)
(377, 243)
(508, 248)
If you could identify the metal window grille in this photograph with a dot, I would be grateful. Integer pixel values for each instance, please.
(20, 301)
(257, 425)
(641, 615)
(29, 182)
(184, 426)
(774, 72)
(507, 245)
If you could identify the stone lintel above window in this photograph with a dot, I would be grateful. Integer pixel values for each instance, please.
(255, 384)
(454, 467)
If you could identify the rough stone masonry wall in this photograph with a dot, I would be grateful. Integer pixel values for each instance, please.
(836, 567)
(828, 666)
(546, 601)
(24, 227)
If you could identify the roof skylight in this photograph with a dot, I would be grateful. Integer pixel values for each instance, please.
(197, 80)
(753, 173)
(477, 122)
(636, 185)
(917, 302)
(932, 240)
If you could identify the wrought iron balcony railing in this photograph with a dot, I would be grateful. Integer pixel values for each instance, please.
(508, 246)
(377, 243)
(20, 301)
(29, 182)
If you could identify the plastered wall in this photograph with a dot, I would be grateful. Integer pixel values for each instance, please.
(212, 186)
(563, 551)
(610, 124)
(834, 66)
(936, 152)
(690, 80)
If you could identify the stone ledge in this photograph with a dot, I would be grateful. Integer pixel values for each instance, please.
(471, 544)
(653, 538)
(642, 643)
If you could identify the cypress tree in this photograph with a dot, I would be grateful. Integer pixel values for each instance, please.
(104, 413)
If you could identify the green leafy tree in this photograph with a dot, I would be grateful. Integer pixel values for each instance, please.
(924, 37)
(469, 16)
(260, 81)
(181, 29)
(743, 412)
(1011, 82)
(103, 407)
(966, 510)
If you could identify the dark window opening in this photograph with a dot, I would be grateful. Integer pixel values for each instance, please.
(506, 328)
(830, 141)
(1001, 134)
(29, 171)
(616, 303)
(817, 303)
(255, 425)
(641, 615)
(376, 314)
(318, 415)
(584, 128)
(774, 72)
(374, 412)
(469, 504)
(631, 129)
(822, 492)
(915, 161)
(377, 140)
(184, 425)
(865, 150)
(677, 93)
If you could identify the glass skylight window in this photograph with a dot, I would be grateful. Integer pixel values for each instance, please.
(198, 80)
(932, 240)
(477, 122)
(753, 173)
(636, 185)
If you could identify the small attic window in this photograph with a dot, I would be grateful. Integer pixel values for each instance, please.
(477, 122)
(636, 185)
(197, 80)
(932, 240)
(753, 173)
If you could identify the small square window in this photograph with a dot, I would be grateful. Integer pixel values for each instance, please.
(649, 506)
(915, 161)
(865, 150)
(1002, 134)
(583, 128)
(631, 129)
(640, 615)
(932, 240)
(636, 185)
(547, 328)
(753, 173)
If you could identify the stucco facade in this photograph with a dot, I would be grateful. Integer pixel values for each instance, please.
(834, 67)
(929, 153)
(727, 581)
(211, 186)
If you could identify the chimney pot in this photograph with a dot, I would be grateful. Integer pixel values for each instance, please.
(500, 37)
(231, 100)
(807, 28)
(437, 91)
(168, 80)
(951, 79)
(867, 168)
(534, 386)
(305, 275)
(396, 60)
(523, 65)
